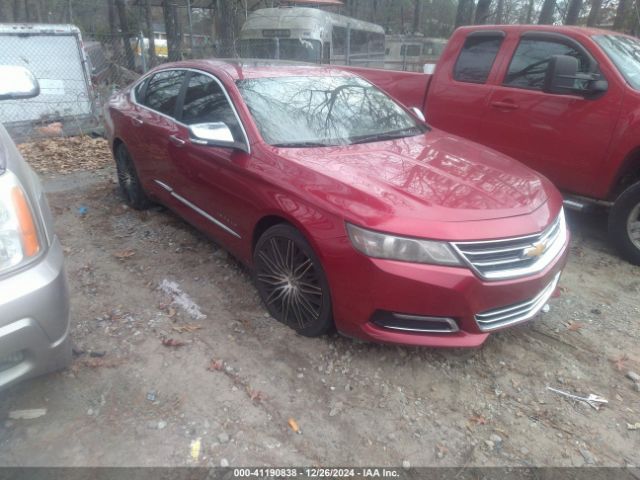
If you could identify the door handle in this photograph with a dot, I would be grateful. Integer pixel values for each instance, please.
(137, 121)
(177, 141)
(505, 105)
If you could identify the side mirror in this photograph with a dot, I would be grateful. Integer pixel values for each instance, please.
(562, 77)
(216, 134)
(418, 113)
(17, 82)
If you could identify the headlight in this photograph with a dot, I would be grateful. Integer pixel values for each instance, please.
(19, 240)
(382, 245)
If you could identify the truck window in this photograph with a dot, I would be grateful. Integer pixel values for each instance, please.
(476, 58)
(163, 90)
(529, 63)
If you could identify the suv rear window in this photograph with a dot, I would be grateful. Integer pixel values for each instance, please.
(476, 58)
(162, 91)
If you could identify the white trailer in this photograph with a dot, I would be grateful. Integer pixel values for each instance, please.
(55, 55)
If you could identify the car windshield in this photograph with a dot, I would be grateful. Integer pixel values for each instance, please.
(301, 50)
(624, 52)
(323, 111)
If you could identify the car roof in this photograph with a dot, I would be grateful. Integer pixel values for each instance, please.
(562, 29)
(245, 68)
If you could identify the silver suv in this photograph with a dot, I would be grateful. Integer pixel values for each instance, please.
(34, 299)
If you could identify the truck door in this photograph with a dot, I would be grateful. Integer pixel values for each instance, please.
(565, 137)
(458, 95)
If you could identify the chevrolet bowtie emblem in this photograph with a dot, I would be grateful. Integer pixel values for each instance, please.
(535, 250)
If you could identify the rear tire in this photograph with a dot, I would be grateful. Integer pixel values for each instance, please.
(130, 186)
(291, 281)
(624, 224)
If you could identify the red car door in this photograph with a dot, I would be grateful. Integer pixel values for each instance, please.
(565, 137)
(458, 95)
(212, 179)
(154, 119)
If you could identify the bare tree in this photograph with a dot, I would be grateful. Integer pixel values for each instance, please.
(529, 15)
(113, 28)
(573, 12)
(225, 28)
(149, 24)
(124, 27)
(619, 21)
(500, 12)
(482, 12)
(594, 14)
(464, 12)
(417, 17)
(17, 17)
(546, 14)
(170, 27)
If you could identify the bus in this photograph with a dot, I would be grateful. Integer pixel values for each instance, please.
(412, 52)
(311, 35)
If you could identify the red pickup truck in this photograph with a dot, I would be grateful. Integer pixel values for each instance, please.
(563, 100)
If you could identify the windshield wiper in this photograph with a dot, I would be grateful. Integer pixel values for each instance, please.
(378, 137)
(300, 145)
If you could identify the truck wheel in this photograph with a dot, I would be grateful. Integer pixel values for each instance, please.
(291, 281)
(624, 224)
(128, 180)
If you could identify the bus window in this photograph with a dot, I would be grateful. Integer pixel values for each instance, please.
(258, 48)
(299, 49)
(410, 50)
(326, 52)
(339, 39)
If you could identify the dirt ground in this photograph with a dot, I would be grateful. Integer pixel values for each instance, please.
(228, 378)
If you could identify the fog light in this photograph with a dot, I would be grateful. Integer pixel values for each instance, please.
(11, 360)
(414, 323)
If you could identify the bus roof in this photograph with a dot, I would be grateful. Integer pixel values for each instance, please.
(302, 18)
(38, 29)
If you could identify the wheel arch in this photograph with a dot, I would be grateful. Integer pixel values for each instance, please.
(628, 174)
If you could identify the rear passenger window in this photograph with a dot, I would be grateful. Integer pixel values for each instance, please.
(162, 91)
(529, 63)
(205, 102)
(476, 58)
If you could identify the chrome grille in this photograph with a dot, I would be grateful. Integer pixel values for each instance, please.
(515, 257)
(518, 312)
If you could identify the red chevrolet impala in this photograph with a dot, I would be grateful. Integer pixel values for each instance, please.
(350, 210)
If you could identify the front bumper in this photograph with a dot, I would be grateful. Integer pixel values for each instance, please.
(34, 319)
(369, 289)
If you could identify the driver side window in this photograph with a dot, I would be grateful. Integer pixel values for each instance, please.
(205, 102)
(529, 63)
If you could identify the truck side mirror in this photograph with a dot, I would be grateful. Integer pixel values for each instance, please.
(562, 78)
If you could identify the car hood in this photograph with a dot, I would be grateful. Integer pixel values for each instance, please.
(406, 185)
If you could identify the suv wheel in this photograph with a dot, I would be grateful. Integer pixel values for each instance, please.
(128, 180)
(624, 224)
(291, 281)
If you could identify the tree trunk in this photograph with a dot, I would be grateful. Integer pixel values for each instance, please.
(500, 12)
(417, 17)
(124, 27)
(225, 29)
(482, 12)
(464, 12)
(16, 11)
(573, 13)
(113, 29)
(170, 28)
(594, 13)
(152, 42)
(546, 14)
(529, 17)
(618, 22)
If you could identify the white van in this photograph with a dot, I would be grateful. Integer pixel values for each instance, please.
(55, 55)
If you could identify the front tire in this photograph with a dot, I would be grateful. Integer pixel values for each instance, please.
(130, 186)
(624, 224)
(291, 281)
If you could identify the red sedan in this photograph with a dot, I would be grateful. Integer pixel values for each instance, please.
(350, 210)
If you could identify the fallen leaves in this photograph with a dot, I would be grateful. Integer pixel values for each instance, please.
(574, 326)
(619, 363)
(100, 362)
(67, 154)
(478, 420)
(215, 365)
(186, 328)
(294, 425)
(172, 342)
(125, 254)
